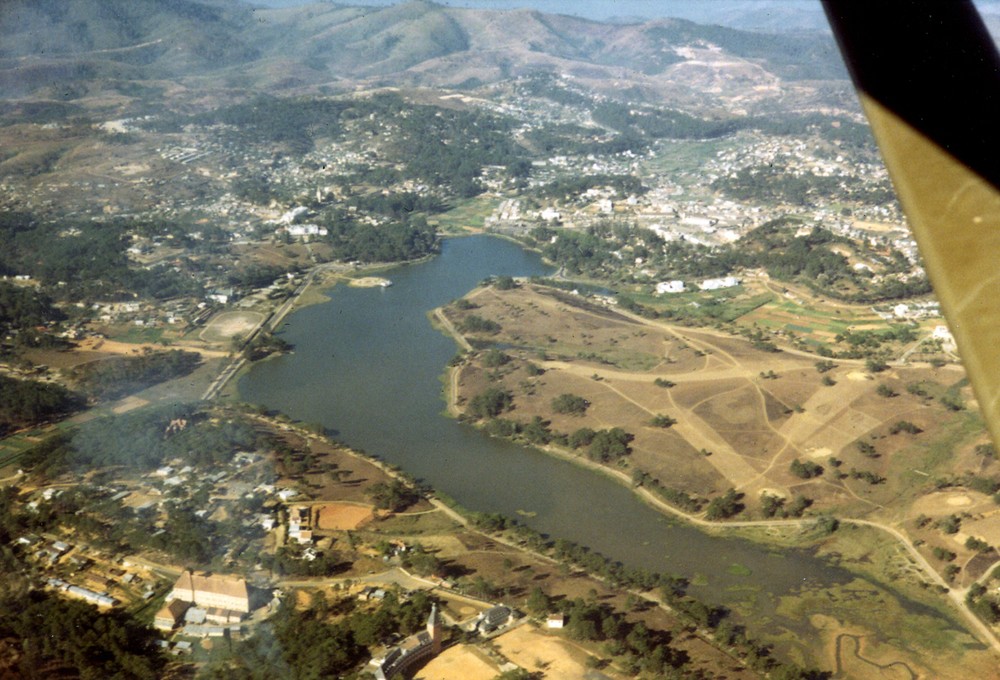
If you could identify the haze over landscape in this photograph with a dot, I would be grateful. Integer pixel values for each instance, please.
(476, 339)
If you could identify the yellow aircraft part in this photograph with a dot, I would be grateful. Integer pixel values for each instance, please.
(955, 216)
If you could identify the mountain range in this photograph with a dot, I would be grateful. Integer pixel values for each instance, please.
(52, 49)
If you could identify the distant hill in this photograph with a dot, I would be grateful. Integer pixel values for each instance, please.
(71, 50)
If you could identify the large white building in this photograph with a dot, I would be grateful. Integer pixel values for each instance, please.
(221, 592)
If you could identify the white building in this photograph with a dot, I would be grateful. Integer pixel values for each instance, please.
(664, 287)
(717, 284)
(223, 592)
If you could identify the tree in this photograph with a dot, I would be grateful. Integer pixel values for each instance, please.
(875, 365)
(904, 426)
(570, 404)
(490, 403)
(609, 445)
(504, 283)
(884, 390)
(661, 420)
(805, 470)
(494, 358)
(477, 324)
(725, 506)
(538, 602)
(825, 365)
(393, 496)
(582, 437)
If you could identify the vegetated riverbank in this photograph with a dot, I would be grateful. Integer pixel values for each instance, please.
(914, 580)
(692, 626)
(887, 571)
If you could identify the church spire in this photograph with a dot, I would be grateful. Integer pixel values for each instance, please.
(434, 630)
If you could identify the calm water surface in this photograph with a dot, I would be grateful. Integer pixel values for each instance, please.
(368, 364)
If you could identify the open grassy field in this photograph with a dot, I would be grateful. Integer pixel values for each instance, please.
(466, 215)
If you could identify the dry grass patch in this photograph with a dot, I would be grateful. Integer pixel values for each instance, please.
(555, 657)
(461, 662)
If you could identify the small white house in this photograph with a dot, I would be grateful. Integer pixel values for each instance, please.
(664, 287)
(718, 284)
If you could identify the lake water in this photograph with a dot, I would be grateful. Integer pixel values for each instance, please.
(368, 365)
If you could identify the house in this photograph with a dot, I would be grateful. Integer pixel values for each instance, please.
(92, 596)
(203, 590)
(669, 287)
(371, 593)
(717, 284)
(285, 494)
(170, 615)
(494, 618)
(307, 230)
(222, 295)
(555, 621)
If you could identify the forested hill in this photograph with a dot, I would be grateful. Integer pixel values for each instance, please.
(70, 49)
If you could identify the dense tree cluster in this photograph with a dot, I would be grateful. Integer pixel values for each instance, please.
(636, 647)
(490, 403)
(805, 469)
(571, 188)
(774, 183)
(474, 323)
(983, 604)
(395, 495)
(390, 242)
(289, 561)
(119, 376)
(725, 506)
(609, 445)
(143, 439)
(24, 307)
(85, 259)
(28, 402)
(811, 258)
(570, 404)
(59, 637)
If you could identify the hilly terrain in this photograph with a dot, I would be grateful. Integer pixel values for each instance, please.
(129, 48)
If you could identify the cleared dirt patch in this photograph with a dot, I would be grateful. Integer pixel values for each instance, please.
(461, 662)
(341, 516)
(226, 325)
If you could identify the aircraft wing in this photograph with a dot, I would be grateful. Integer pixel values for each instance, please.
(928, 75)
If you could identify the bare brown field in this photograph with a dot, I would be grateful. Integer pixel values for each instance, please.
(461, 662)
(527, 645)
(225, 326)
(341, 516)
(751, 411)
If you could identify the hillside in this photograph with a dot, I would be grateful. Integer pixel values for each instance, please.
(50, 49)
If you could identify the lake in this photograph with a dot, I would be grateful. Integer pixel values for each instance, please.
(368, 364)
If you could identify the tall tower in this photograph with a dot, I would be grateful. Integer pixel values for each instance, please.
(434, 630)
